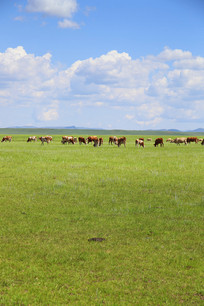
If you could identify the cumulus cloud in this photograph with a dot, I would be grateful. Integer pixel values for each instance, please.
(129, 117)
(147, 92)
(23, 77)
(153, 123)
(171, 55)
(16, 64)
(48, 115)
(196, 63)
(55, 8)
(68, 24)
(58, 8)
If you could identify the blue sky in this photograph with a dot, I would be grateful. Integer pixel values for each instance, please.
(109, 64)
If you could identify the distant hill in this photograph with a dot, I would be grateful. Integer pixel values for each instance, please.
(72, 130)
(170, 130)
(200, 130)
(73, 127)
(50, 127)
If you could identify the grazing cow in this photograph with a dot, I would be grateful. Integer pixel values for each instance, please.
(6, 138)
(159, 141)
(149, 139)
(82, 140)
(168, 140)
(139, 142)
(49, 138)
(100, 141)
(32, 138)
(202, 143)
(67, 139)
(110, 141)
(122, 140)
(91, 139)
(192, 139)
(45, 139)
(96, 142)
(75, 139)
(113, 139)
(180, 140)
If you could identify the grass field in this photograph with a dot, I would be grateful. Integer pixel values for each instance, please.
(146, 203)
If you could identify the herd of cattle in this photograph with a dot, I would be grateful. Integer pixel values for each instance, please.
(112, 140)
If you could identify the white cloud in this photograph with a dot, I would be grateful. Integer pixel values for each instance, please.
(68, 24)
(196, 63)
(99, 104)
(148, 91)
(23, 77)
(48, 115)
(150, 110)
(152, 123)
(171, 55)
(16, 64)
(129, 117)
(58, 8)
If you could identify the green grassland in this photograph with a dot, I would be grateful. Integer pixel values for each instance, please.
(146, 203)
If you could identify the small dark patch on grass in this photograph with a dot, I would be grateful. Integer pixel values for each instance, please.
(96, 239)
(201, 296)
(149, 233)
(189, 267)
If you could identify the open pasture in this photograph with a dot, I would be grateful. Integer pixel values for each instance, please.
(146, 203)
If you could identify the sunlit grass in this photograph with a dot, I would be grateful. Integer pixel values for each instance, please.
(147, 204)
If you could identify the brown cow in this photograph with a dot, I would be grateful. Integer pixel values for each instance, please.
(49, 138)
(113, 139)
(192, 139)
(67, 139)
(141, 139)
(122, 140)
(149, 139)
(82, 140)
(159, 141)
(45, 139)
(168, 140)
(91, 139)
(32, 138)
(100, 141)
(96, 142)
(139, 142)
(6, 138)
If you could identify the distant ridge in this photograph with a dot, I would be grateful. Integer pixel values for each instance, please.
(86, 131)
(73, 127)
(53, 127)
(170, 130)
(200, 130)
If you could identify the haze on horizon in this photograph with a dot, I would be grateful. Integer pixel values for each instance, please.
(137, 65)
